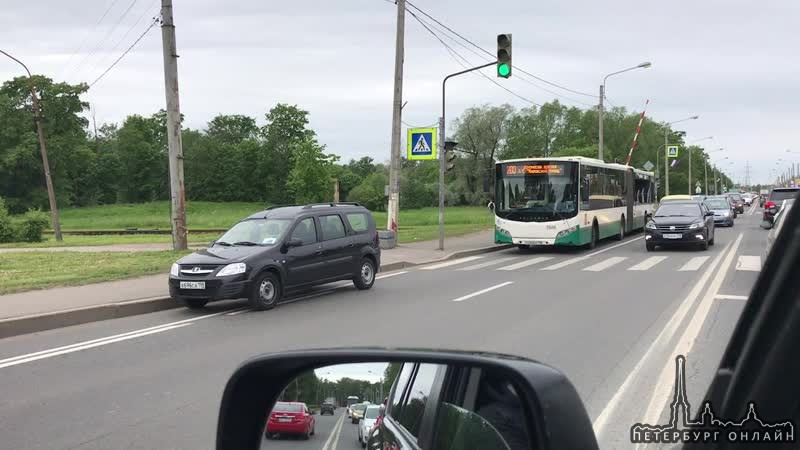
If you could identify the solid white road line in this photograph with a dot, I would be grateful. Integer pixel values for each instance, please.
(392, 274)
(752, 210)
(750, 263)
(648, 263)
(664, 385)
(664, 336)
(603, 265)
(488, 263)
(452, 262)
(236, 313)
(334, 436)
(730, 297)
(482, 291)
(578, 259)
(84, 343)
(526, 263)
(85, 347)
(694, 263)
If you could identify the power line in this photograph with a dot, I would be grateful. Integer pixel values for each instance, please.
(155, 21)
(100, 44)
(88, 32)
(492, 55)
(456, 55)
(122, 39)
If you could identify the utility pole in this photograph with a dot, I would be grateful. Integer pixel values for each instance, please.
(397, 106)
(441, 175)
(705, 175)
(177, 192)
(600, 121)
(666, 160)
(37, 117)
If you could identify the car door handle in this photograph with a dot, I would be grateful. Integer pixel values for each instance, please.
(319, 252)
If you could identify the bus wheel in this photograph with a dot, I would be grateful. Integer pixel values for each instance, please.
(621, 235)
(593, 239)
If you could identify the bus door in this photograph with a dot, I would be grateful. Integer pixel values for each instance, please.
(630, 197)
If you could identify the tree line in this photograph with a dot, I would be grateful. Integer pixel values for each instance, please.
(283, 162)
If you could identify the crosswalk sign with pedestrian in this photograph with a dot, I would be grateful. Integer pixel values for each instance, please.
(421, 143)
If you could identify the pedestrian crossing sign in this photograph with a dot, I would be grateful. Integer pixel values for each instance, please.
(672, 151)
(421, 143)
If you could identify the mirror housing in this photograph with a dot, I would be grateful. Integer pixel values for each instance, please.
(211, 244)
(710, 214)
(555, 415)
(294, 242)
(491, 206)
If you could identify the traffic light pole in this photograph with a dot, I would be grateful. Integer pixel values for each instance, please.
(441, 140)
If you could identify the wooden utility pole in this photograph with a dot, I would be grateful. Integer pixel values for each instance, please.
(397, 107)
(37, 117)
(177, 192)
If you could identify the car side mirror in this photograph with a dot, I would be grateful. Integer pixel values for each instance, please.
(294, 242)
(549, 408)
(211, 244)
(710, 214)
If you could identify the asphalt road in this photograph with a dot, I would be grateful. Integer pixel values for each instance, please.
(336, 431)
(612, 319)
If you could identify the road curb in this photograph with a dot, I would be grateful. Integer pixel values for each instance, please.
(475, 251)
(15, 326)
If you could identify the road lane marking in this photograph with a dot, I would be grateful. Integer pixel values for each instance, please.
(482, 291)
(648, 263)
(86, 347)
(236, 313)
(694, 263)
(393, 274)
(526, 263)
(749, 263)
(452, 262)
(663, 337)
(603, 265)
(752, 210)
(84, 343)
(730, 297)
(664, 385)
(578, 259)
(488, 263)
(335, 431)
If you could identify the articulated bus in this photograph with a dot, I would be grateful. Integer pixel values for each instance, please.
(570, 201)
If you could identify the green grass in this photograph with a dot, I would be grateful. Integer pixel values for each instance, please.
(23, 271)
(423, 224)
(111, 239)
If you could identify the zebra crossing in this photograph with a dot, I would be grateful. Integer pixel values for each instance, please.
(680, 263)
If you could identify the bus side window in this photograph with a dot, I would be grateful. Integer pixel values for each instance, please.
(585, 192)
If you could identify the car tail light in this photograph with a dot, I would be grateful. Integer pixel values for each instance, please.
(769, 204)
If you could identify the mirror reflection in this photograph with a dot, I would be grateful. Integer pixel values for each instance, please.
(398, 405)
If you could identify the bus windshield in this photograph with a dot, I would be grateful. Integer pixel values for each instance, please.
(536, 191)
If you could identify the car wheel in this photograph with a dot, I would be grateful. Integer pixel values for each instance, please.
(704, 245)
(306, 436)
(195, 303)
(265, 292)
(711, 241)
(313, 430)
(366, 274)
(268, 436)
(649, 246)
(621, 234)
(593, 239)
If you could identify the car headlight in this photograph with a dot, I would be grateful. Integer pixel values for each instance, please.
(695, 225)
(174, 270)
(726, 213)
(232, 269)
(651, 226)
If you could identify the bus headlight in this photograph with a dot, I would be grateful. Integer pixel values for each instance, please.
(569, 230)
(503, 231)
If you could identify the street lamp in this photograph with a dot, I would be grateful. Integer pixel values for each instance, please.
(690, 160)
(37, 117)
(666, 151)
(643, 65)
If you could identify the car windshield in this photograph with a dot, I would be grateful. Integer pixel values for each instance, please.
(255, 232)
(736, 197)
(716, 203)
(359, 407)
(372, 412)
(678, 210)
(287, 407)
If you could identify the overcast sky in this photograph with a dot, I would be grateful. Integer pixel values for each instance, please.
(732, 62)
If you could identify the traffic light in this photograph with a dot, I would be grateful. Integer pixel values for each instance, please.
(449, 155)
(504, 55)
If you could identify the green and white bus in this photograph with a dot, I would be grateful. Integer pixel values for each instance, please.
(569, 201)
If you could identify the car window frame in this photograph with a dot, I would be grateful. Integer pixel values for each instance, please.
(350, 229)
(429, 413)
(316, 230)
(322, 228)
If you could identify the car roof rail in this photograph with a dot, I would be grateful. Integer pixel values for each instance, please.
(278, 206)
(331, 204)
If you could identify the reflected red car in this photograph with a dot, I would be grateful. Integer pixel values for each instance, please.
(290, 418)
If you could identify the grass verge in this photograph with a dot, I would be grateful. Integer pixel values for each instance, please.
(23, 271)
(110, 239)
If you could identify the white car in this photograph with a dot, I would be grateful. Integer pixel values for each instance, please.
(748, 199)
(365, 425)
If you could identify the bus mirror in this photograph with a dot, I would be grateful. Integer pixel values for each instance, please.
(490, 206)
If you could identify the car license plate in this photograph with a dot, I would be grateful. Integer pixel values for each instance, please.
(284, 419)
(193, 284)
(672, 236)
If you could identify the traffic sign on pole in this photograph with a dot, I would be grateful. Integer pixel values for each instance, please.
(672, 151)
(421, 143)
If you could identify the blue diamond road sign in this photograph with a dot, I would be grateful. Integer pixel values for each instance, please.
(421, 143)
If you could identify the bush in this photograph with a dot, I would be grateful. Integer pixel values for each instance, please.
(33, 224)
(6, 228)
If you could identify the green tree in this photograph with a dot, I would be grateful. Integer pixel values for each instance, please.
(232, 129)
(310, 179)
(286, 130)
(143, 159)
(370, 192)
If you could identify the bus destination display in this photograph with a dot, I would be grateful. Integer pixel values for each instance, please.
(534, 169)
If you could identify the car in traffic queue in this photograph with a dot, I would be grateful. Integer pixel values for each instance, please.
(775, 200)
(723, 215)
(290, 418)
(747, 198)
(776, 226)
(737, 201)
(680, 223)
(371, 415)
(279, 250)
(357, 412)
(327, 408)
(762, 197)
(676, 198)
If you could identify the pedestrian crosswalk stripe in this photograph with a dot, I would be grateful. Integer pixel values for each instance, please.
(566, 263)
(750, 263)
(648, 263)
(491, 262)
(452, 262)
(526, 263)
(694, 263)
(603, 265)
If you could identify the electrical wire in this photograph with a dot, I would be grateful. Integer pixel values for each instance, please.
(86, 36)
(456, 57)
(492, 55)
(105, 38)
(155, 21)
(436, 124)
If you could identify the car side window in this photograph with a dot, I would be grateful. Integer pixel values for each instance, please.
(358, 222)
(396, 403)
(306, 231)
(461, 429)
(332, 227)
(418, 395)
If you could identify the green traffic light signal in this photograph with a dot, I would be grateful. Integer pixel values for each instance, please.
(503, 70)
